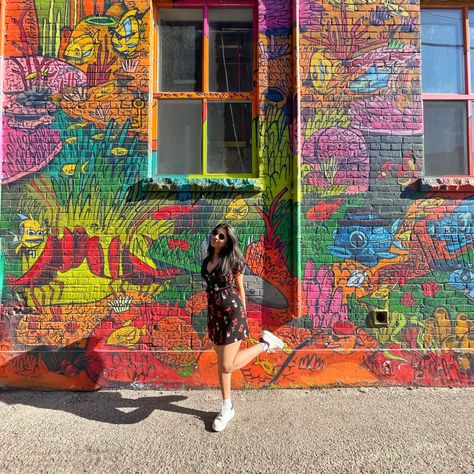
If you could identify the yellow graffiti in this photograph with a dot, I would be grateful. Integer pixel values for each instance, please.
(126, 37)
(70, 168)
(31, 234)
(81, 50)
(126, 336)
(238, 209)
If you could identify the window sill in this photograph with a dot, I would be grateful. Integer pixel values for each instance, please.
(444, 183)
(241, 185)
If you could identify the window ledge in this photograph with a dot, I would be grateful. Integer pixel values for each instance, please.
(242, 185)
(443, 183)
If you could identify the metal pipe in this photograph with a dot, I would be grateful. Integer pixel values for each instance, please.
(296, 188)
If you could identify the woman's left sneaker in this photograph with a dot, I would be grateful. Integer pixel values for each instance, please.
(272, 341)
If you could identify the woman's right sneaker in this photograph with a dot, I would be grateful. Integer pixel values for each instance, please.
(224, 416)
(272, 341)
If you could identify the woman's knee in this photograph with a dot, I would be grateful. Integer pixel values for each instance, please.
(227, 368)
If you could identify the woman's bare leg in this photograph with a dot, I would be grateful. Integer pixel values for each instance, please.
(230, 359)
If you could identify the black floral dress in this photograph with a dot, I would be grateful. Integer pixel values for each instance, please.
(226, 318)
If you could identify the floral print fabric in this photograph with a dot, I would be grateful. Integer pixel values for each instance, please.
(226, 318)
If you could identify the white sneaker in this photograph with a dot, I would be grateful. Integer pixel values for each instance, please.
(225, 415)
(272, 341)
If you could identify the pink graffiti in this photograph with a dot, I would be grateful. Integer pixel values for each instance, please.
(27, 151)
(352, 159)
(324, 301)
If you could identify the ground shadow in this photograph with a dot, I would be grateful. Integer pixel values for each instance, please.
(105, 406)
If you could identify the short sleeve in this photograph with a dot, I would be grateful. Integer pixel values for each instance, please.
(237, 269)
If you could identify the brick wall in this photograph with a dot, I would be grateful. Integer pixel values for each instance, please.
(102, 283)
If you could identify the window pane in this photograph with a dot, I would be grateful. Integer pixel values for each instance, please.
(229, 132)
(445, 138)
(180, 50)
(442, 51)
(230, 50)
(179, 136)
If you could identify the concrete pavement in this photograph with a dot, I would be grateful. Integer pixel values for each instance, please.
(364, 430)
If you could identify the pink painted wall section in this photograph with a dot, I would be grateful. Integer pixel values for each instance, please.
(101, 284)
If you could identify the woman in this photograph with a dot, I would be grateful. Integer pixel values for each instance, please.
(227, 321)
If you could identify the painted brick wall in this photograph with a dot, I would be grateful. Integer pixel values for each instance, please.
(101, 280)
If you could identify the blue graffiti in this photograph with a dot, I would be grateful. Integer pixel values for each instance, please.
(373, 80)
(463, 280)
(457, 230)
(363, 236)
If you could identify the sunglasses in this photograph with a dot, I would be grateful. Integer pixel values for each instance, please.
(220, 235)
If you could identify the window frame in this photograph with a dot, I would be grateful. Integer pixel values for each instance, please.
(205, 96)
(468, 97)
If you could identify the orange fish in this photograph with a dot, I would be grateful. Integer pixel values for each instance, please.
(323, 210)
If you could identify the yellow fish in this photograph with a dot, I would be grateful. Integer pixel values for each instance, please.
(106, 89)
(382, 293)
(81, 50)
(31, 234)
(71, 140)
(268, 367)
(98, 136)
(126, 336)
(126, 37)
(74, 126)
(238, 209)
(70, 168)
(33, 75)
(119, 151)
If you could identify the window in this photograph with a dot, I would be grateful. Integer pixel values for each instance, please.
(447, 39)
(205, 93)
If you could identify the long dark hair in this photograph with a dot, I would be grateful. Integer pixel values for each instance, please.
(230, 257)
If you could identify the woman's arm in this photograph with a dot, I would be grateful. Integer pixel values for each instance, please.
(239, 284)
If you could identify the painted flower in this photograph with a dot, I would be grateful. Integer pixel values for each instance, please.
(407, 299)
(430, 288)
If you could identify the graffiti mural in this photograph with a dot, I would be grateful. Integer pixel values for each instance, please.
(100, 268)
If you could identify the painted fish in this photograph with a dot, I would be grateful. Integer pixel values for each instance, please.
(356, 279)
(31, 233)
(75, 126)
(323, 210)
(126, 37)
(238, 209)
(268, 367)
(119, 151)
(98, 136)
(33, 75)
(70, 168)
(71, 140)
(81, 50)
(126, 336)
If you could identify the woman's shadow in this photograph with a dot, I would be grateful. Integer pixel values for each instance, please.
(105, 407)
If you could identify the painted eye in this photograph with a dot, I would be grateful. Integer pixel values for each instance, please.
(31, 232)
(40, 233)
(465, 276)
(358, 239)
